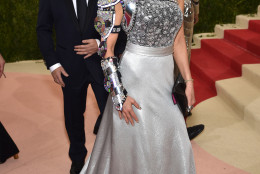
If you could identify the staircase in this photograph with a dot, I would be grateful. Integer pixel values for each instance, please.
(226, 68)
(228, 65)
(242, 94)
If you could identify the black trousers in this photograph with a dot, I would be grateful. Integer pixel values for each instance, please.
(7, 146)
(74, 108)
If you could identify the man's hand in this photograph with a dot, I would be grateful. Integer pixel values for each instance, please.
(56, 74)
(196, 18)
(2, 65)
(88, 48)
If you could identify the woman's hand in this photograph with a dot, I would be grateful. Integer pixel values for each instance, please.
(128, 112)
(190, 93)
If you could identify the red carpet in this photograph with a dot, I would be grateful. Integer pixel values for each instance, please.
(223, 58)
(31, 111)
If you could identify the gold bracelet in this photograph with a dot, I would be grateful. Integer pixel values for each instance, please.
(189, 80)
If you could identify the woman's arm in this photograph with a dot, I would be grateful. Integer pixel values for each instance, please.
(110, 66)
(112, 38)
(181, 58)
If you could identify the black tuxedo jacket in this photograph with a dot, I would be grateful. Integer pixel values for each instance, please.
(59, 15)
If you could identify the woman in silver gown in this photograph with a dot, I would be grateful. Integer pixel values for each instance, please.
(158, 142)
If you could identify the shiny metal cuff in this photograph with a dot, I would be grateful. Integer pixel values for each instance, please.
(112, 82)
(130, 9)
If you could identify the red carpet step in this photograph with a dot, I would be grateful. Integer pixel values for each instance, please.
(254, 25)
(248, 39)
(220, 59)
(245, 38)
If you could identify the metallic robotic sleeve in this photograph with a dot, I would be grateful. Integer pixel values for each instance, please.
(112, 82)
(104, 24)
(191, 8)
(196, 6)
(188, 23)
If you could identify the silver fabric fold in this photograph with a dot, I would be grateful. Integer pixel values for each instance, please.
(149, 51)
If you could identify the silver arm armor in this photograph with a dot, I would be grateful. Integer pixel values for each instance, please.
(104, 22)
(130, 9)
(187, 8)
(196, 6)
(112, 82)
(105, 25)
(105, 19)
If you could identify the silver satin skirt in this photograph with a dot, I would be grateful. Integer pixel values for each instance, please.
(159, 143)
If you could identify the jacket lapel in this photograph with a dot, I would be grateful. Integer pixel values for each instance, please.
(72, 13)
(91, 8)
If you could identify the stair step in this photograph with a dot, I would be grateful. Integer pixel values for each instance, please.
(258, 11)
(226, 136)
(210, 68)
(229, 89)
(242, 21)
(202, 90)
(252, 74)
(247, 39)
(220, 29)
(254, 25)
(229, 53)
(252, 114)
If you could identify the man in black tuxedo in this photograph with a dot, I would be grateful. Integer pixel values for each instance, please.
(74, 63)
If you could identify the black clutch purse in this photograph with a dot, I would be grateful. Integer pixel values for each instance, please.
(179, 96)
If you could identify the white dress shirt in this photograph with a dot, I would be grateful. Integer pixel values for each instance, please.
(57, 65)
(75, 6)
